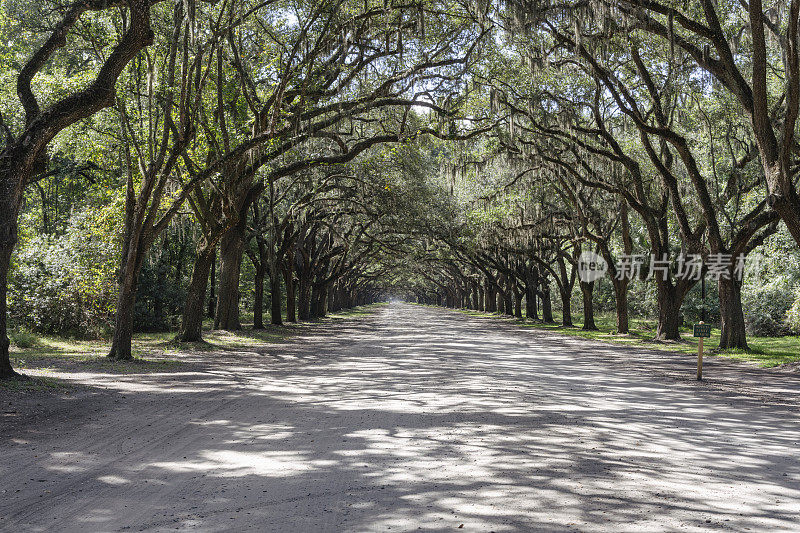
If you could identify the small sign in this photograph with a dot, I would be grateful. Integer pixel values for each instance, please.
(702, 330)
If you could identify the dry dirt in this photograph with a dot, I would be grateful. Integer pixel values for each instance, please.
(411, 419)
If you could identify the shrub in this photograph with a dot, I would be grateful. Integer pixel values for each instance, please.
(793, 315)
(65, 283)
(765, 308)
(22, 338)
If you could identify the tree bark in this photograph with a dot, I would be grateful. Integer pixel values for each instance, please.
(566, 308)
(291, 298)
(491, 297)
(123, 324)
(8, 238)
(518, 304)
(508, 300)
(192, 322)
(588, 310)
(212, 301)
(231, 248)
(304, 298)
(669, 307)
(732, 326)
(547, 306)
(531, 282)
(133, 252)
(621, 302)
(276, 297)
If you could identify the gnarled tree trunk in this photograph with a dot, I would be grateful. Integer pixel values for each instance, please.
(547, 306)
(566, 308)
(732, 326)
(621, 302)
(276, 296)
(669, 308)
(192, 321)
(291, 298)
(8, 238)
(588, 310)
(231, 249)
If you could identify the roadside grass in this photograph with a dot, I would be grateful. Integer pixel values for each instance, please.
(36, 384)
(764, 351)
(153, 352)
(361, 311)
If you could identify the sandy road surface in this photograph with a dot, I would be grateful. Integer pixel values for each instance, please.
(413, 419)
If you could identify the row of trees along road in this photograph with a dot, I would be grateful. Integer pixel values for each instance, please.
(458, 153)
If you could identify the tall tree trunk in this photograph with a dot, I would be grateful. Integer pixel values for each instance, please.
(123, 324)
(491, 297)
(258, 298)
(508, 300)
(547, 305)
(212, 300)
(304, 298)
(531, 282)
(621, 302)
(588, 310)
(314, 312)
(8, 238)
(323, 301)
(732, 327)
(517, 304)
(192, 322)
(231, 249)
(131, 265)
(566, 308)
(291, 298)
(276, 297)
(669, 308)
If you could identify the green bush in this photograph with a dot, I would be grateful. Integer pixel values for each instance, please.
(22, 338)
(65, 283)
(765, 308)
(793, 315)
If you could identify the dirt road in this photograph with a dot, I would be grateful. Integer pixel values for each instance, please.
(412, 419)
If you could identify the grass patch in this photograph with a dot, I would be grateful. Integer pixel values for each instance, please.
(364, 310)
(764, 351)
(35, 384)
(153, 352)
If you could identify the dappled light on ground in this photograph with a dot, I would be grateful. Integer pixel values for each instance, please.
(413, 419)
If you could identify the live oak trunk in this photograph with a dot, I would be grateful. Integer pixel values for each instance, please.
(133, 257)
(212, 300)
(732, 327)
(669, 307)
(621, 302)
(491, 298)
(276, 296)
(315, 301)
(231, 249)
(588, 311)
(291, 298)
(304, 298)
(547, 307)
(8, 238)
(192, 321)
(531, 282)
(508, 296)
(566, 308)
